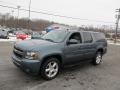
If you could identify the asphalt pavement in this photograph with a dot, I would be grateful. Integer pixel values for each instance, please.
(82, 77)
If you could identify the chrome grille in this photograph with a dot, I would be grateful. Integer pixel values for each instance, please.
(18, 52)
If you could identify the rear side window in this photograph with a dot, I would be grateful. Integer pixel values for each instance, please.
(99, 36)
(87, 37)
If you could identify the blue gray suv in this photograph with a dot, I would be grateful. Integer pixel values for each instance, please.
(58, 49)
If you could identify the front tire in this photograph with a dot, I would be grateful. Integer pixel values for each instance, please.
(97, 59)
(50, 68)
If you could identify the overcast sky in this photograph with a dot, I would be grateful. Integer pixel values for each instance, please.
(93, 10)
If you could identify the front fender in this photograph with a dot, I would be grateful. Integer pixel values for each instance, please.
(53, 54)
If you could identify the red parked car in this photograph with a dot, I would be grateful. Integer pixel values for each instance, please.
(21, 36)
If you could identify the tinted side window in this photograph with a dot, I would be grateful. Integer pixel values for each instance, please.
(76, 36)
(87, 37)
(99, 36)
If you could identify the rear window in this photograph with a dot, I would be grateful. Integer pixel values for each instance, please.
(99, 36)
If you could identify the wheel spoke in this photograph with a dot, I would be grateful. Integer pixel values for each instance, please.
(55, 70)
(50, 65)
(49, 74)
(54, 65)
(47, 70)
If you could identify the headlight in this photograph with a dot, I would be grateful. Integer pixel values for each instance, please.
(31, 55)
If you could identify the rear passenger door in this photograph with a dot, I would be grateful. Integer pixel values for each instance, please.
(88, 45)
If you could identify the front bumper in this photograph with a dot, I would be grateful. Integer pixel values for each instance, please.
(29, 66)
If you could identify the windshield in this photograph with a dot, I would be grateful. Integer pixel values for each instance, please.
(55, 36)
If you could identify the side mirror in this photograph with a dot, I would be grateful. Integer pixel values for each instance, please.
(72, 41)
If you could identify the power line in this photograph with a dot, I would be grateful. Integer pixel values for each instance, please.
(44, 12)
(7, 3)
(51, 14)
(22, 6)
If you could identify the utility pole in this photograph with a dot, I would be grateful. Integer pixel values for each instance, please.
(18, 7)
(12, 18)
(117, 24)
(29, 15)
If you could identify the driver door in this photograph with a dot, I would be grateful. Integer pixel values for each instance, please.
(72, 52)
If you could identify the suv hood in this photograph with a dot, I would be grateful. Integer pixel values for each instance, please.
(33, 45)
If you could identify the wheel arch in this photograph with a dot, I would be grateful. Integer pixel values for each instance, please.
(100, 50)
(58, 56)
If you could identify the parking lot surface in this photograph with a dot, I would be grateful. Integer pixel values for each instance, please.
(82, 77)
